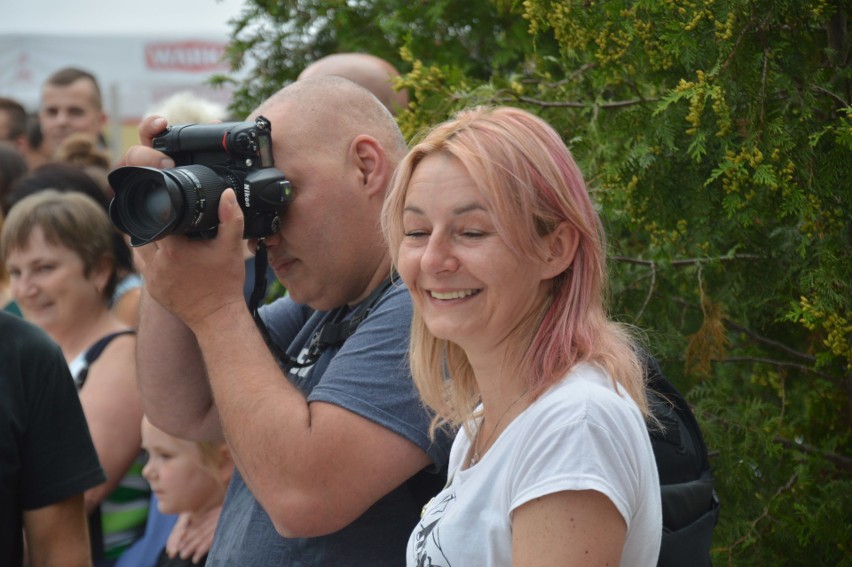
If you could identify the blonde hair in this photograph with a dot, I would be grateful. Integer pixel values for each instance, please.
(531, 182)
(186, 107)
(82, 150)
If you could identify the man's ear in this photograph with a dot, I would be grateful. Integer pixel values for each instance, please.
(562, 244)
(369, 157)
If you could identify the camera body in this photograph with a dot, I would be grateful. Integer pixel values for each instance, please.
(150, 204)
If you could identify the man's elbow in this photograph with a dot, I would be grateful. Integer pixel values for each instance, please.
(301, 516)
(200, 427)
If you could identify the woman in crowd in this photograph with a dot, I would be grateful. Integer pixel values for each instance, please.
(190, 479)
(492, 230)
(67, 177)
(58, 250)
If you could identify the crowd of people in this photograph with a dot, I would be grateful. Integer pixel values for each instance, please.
(439, 385)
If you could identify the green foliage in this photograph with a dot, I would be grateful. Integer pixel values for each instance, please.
(279, 38)
(716, 137)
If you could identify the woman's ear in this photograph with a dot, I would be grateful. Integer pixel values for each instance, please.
(562, 244)
(101, 272)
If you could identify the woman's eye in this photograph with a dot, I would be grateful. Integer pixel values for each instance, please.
(415, 233)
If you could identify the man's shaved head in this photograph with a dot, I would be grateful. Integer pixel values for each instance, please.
(373, 73)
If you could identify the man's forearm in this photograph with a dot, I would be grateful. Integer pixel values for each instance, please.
(57, 535)
(311, 466)
(171, 375)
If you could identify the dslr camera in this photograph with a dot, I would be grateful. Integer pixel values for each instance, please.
(150, 203)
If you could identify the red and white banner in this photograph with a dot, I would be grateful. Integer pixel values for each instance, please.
(135, 73)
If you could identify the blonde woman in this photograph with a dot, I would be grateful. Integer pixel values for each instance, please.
(492, 230)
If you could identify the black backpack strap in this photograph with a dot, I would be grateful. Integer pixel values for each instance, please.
(95, 351)
(690, 505)
(337, 331)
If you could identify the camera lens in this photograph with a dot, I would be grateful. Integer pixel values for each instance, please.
(155, 203)
(150, 204)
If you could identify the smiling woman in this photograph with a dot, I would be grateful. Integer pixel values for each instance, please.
(58, 250)
(492, 230)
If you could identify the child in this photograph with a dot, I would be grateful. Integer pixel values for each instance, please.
(189, 479)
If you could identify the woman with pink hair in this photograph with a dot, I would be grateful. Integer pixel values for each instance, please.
(491, 228)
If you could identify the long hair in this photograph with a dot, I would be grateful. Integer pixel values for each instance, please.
(531, 184)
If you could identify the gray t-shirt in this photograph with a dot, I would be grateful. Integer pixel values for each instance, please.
(367, 375)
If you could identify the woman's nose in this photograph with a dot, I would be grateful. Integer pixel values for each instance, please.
(439, 255)
(22, 286)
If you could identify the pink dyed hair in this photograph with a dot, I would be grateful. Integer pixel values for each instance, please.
(531, 183)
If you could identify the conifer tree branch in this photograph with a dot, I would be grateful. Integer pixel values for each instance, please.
(574, 104)
(779, 363)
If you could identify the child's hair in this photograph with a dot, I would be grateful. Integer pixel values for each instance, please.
(211, 453)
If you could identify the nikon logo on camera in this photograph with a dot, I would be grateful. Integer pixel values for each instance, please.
(150, 204)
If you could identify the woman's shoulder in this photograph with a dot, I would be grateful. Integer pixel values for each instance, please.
(588, 392)
(117, 345)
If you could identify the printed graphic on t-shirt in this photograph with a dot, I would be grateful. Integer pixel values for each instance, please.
(427, 539)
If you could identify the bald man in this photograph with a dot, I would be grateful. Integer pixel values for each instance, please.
(334, 460)
(371, 72)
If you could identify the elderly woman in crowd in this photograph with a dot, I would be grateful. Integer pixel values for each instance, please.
(58, 251)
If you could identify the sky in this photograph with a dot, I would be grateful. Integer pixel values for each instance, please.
(96, 17)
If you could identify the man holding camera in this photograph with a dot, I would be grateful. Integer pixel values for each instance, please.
(334, 462)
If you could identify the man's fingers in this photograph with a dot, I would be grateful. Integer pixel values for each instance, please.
(230, 214)
(150, 127)
(143, 156)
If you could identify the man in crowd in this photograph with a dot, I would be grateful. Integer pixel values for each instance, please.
(48, 456)
(371, 72)
(13, 122)
(334, 462)
(71, 102)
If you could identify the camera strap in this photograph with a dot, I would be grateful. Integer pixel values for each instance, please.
(334, 330)
(257, 295)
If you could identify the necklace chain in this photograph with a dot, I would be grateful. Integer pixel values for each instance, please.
(475, 456)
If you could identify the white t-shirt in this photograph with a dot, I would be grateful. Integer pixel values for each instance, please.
(579, 435)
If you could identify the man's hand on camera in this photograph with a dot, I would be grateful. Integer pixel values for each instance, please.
(195, 278)
(144, 155)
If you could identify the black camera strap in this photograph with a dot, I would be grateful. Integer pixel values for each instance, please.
(334, 331)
